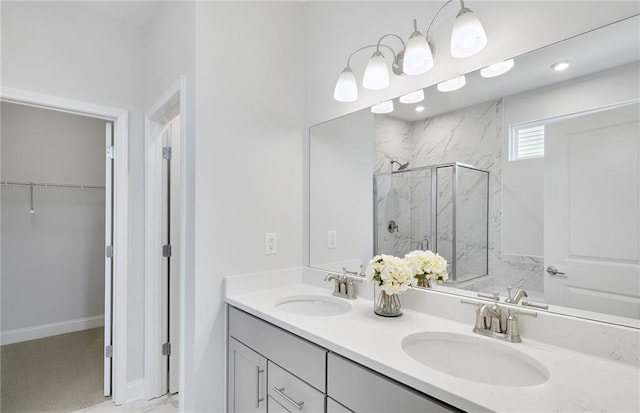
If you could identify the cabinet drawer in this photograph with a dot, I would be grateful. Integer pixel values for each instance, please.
(292, 393)
(363, 390)
(302, 358)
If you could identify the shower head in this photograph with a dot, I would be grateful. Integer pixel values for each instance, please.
(401, 166)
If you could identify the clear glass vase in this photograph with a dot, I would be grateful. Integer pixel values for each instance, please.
(386, 305)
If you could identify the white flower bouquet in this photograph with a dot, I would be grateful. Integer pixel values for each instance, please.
(427, 266)
(391, 274)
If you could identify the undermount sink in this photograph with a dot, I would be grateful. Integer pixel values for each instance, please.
(313, 305)
(475, 359)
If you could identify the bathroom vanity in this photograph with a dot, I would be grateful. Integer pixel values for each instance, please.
(292, 346)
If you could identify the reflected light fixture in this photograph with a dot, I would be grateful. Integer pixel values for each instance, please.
(561, 66)
(415, 57)
(497, 69)
(452, 84)
(384, 107)
(412, 97)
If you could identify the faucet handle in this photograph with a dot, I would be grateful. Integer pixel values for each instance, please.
(495, 296)
(510, 297)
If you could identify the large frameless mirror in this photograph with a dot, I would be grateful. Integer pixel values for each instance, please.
(530, 179)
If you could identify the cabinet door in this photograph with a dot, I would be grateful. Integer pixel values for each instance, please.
(335, 407)
(274, 407)
(292, 393)
(247, 379)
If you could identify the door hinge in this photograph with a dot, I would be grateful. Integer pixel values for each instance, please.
(166, 349)
(166, 152)
(166, 251)
(108, 351)
(109, 251)
(110, 152)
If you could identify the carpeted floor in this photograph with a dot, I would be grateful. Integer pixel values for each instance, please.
(62, 373)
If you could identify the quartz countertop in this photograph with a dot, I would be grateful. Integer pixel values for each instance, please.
(577, 381)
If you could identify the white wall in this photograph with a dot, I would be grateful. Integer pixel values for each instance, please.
(523, 181)
(60, 49)
(52, 267)
(250, 77)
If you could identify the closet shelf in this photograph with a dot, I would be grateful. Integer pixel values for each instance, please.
(50, 185)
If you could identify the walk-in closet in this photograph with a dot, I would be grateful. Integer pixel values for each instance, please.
(54, 204)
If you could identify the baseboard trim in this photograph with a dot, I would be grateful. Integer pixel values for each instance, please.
(135, 390)
(53, 329)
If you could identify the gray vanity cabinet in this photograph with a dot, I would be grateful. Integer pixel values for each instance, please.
(247, 379)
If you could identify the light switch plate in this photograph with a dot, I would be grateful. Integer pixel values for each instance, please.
(331, 239)
(271, 243)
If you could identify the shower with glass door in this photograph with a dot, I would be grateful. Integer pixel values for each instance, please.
(442, 208)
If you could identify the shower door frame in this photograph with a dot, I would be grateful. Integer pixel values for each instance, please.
(120, 119)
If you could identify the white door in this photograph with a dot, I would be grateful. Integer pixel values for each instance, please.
(171, 263)
(591, 212)
(108, 262)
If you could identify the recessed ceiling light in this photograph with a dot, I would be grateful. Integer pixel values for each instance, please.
(452, 84)
(384, 107)
(560, 66)
(419, 108)
(497, 69)
(412, 97)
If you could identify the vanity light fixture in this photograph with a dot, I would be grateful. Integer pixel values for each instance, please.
(419, 108)
(382, 108)
(497, 69)
(415, 57)
(412, 97)
(452, 84)
(560, 66)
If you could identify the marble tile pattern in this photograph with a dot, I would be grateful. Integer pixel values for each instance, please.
(473, 136)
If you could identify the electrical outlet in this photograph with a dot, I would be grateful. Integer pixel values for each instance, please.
(271, 243)
(331, 239)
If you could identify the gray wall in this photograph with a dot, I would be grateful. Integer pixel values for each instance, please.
(52, 261)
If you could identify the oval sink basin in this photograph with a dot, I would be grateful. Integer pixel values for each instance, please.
(313, 305)
(475, 359)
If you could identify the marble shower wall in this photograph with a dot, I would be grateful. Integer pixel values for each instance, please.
(473, 136)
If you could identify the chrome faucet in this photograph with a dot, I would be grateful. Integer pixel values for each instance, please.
(344, 284)
(489, 318)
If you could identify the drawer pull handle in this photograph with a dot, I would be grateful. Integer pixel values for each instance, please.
(259, 399)
(281, 392)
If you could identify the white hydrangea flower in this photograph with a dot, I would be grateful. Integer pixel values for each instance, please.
(391, 273)
(427, 264)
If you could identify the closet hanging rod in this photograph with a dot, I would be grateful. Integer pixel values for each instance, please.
(49, 185)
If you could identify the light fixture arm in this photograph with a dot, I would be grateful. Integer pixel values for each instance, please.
(370, 46)
(438, 13)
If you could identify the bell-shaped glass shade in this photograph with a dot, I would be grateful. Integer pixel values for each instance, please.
(346, 88)
(452, 84)
(376, 75)
(468, 36)
(497, 69)
(418, 58)
(384, 107)
(412, 97)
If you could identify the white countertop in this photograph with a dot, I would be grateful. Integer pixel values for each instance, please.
(577, 381)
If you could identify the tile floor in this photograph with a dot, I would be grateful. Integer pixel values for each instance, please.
(168, 403)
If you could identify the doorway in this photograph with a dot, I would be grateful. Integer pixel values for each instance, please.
(116, 356)
(56, 278)
(164, 241)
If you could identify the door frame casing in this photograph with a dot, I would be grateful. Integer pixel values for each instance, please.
(120, 119)
(171, 102)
